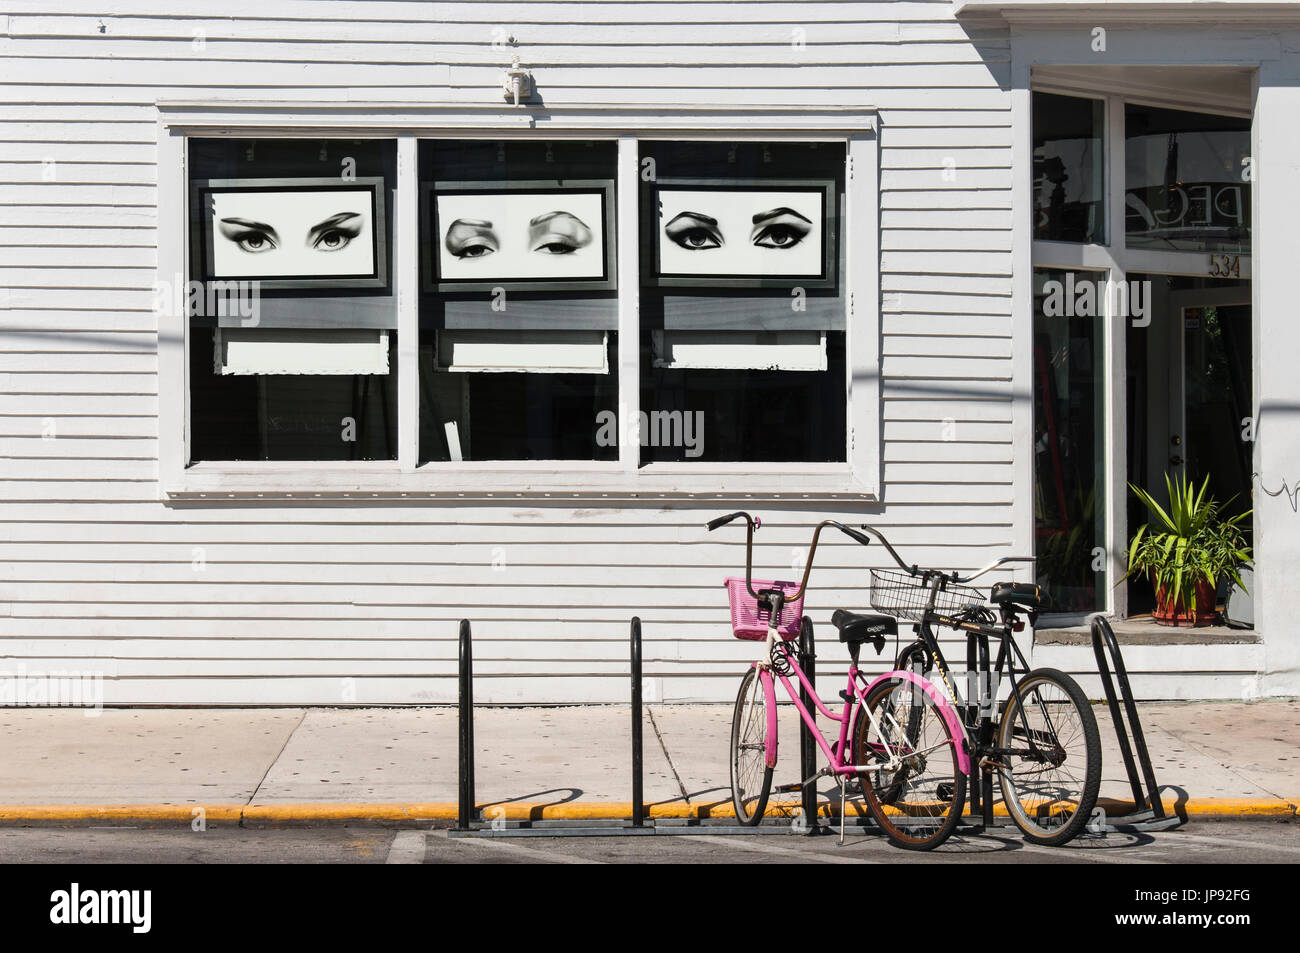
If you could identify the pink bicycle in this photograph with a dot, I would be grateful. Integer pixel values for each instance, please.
(899, 736)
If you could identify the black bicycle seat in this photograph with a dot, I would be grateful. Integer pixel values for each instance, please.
(1027, 595)
(858, 627)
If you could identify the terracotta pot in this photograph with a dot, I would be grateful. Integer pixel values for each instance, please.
(1166, 613)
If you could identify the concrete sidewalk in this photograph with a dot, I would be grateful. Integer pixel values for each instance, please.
(394, 765)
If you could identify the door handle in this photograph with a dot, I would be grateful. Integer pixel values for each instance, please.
(1175, 461)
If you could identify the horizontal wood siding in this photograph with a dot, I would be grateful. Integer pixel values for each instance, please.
(271, 603)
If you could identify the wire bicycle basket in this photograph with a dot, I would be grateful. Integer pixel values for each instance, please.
(905, 596)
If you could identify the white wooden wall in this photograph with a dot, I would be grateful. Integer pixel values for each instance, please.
(292, 601)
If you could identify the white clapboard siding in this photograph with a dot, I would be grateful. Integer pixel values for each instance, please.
(275, 602)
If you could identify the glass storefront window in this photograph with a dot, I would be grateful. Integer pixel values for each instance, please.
(1187, 182)
(289, 300)
(742, 302)
(741, 329)
(518, 304)
(1068, 169)
(1069, 400)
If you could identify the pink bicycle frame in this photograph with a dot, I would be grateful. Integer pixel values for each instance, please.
(841, 763)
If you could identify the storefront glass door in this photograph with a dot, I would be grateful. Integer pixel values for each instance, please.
(1189, 397)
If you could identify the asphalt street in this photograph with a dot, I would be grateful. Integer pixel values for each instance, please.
(1203, 842)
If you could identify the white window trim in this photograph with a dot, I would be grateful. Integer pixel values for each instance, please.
(858, 478)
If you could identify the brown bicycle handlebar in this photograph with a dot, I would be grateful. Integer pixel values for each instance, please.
(752, 524)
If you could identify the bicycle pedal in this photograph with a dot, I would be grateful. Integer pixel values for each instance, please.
(945, 792)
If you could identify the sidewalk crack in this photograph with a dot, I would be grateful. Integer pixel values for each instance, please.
(274, 761)
(667, 757)
(1219, 761)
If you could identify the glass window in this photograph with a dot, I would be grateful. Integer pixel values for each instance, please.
(1068, 169)
(518, 304)
(1069, 401)
(290, 303)
(1186, 180)
(742, 302)
(292, 307)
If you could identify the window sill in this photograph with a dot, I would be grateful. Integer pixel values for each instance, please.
(531, 480)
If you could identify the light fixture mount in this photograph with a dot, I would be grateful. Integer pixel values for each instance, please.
(517, 83)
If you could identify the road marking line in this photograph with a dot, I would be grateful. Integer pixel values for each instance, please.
(408, 848)
(746, 842)
(537, 856)
(1233, 842)
(1099, 855)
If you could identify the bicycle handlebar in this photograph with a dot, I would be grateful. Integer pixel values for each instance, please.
(952, 577)
(753, 523)
(724, 520)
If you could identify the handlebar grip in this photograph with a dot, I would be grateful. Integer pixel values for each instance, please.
(862, 538)
(723, 520)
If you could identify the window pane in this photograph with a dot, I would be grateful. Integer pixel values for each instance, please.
(1069, 486)
(1068, 169)
(518, 305)
(742, 302)
(1185, 180)
(290, 416)
(292, 316)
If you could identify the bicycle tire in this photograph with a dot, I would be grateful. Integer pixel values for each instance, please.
(913, 652)
(919, 805)
(751, 776)
(1057, 713)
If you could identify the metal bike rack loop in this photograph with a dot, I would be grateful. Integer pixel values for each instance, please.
(466, 808)
(807, 746)
(638, 798)
(1149, 811)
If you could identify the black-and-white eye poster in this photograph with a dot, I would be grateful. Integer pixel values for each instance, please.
(525, 236)
(293, 233)
(718, 234)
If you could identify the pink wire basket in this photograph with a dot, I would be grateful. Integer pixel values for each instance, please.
(749, 622)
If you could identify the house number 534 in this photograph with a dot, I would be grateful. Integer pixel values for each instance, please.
(1225, 266)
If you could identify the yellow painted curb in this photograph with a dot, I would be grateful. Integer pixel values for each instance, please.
(29, 813)
(395, 812)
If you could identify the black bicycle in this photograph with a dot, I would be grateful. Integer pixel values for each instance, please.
(1042, 738)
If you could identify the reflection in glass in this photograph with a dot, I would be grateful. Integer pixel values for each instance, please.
(1186, 184)
(1069, 494)
(1068, 169)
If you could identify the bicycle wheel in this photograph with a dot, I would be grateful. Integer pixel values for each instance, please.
(1052, 771)
(751, 778)
(915, 654)
(919, 801)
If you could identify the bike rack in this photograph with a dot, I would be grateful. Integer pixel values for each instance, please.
(807, 746)
(467, 806)
(1149, 814)
(469, 821)
(1149, 811)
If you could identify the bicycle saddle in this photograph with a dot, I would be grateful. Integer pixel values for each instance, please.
(1027, 595)
(858, 627)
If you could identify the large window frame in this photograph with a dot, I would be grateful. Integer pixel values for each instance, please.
(859, 477)
(1113, 262)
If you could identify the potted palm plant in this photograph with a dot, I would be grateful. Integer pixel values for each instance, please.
(1185, 550)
